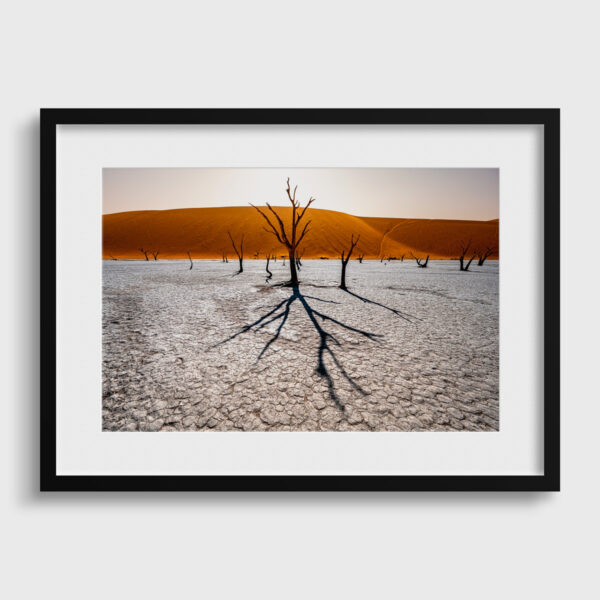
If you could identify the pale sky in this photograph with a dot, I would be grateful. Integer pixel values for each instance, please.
(471, 194)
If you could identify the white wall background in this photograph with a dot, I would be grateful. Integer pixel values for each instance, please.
(417, 54)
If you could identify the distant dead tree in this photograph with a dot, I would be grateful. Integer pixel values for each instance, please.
(345, 258)
(299, 259)
(256, 255)
(240, 252)
(360, 257)
(464, 249)
(155, 254)
(267, 267)
(483, 255)
(283, 258)
(224, 257)
(420, 262)
(144, 252)
(190, 257)
(290, 239)
(402, 258)
(112, 257)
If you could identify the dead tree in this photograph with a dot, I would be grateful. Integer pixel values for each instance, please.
(190, 257)
(144, 252)
(464, 249)
(420, 262)
(345, 258)
(290, 239)
(299, 260)
(360, 257)
(483, 255)
(240, 252)
(402, 258)
(267, 268)
(283, 258)
(155, 254)
(224, 257)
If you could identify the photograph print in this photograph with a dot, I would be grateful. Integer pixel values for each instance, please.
(323, 299)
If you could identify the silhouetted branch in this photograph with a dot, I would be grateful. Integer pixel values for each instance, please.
(483, 255)
(420, 262)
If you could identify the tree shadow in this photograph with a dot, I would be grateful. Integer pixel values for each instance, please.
(327, 340)
(395, 311)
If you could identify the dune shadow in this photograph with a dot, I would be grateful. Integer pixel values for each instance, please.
(395, 311)
(328, 343)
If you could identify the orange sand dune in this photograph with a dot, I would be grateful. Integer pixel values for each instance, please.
(203, 231)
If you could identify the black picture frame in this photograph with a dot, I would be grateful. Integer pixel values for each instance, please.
(548, 118)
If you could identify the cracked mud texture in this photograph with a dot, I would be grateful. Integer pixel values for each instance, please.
(404, 349)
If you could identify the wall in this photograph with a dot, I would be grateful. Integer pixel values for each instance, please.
(424, 54)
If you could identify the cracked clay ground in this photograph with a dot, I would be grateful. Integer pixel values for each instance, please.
(405, 349)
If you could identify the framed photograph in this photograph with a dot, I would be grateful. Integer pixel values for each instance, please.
(300, 299)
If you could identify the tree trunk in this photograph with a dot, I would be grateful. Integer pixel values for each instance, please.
(241, 265)
(293, 271)
(267, 268)
(464, 267)
(343, 281)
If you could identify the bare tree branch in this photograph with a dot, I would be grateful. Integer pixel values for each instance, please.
(304, 231)
(304, 209)
(420, 262)
(273, 230)
(483, 255)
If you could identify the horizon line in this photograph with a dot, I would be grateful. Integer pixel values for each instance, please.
(283, 206)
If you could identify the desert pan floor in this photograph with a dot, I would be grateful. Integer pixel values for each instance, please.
(404, 349)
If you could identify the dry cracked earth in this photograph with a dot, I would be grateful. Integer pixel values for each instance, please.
(404, 349)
